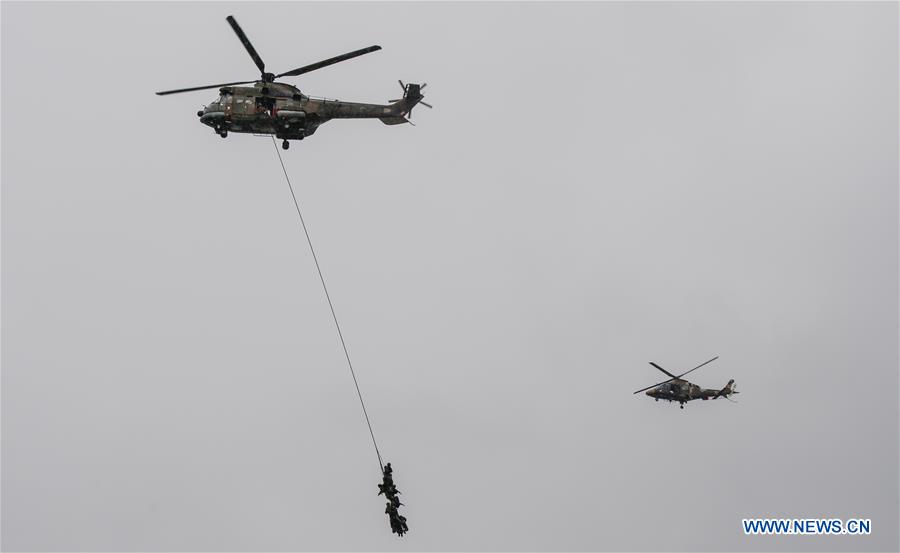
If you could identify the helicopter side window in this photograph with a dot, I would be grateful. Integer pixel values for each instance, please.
(238, 104)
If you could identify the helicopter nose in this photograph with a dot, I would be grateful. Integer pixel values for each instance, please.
(650, 392)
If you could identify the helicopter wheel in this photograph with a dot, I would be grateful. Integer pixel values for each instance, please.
(224, 134)
(285, 144)
(682, 405)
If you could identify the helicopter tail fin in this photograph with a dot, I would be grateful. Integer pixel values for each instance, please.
(412, 96)
(727, 390)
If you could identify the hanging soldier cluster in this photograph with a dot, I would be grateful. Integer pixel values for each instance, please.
(390, 491)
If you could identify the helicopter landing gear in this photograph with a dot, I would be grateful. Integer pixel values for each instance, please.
(224, 134)
(682, 405)
(285, 144)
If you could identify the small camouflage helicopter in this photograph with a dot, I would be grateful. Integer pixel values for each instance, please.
(268, 107)
(682, 391)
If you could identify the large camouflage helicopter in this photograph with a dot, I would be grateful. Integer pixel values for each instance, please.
(268, 107)
(682, 391)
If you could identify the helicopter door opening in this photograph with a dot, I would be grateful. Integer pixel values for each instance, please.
(265, 104)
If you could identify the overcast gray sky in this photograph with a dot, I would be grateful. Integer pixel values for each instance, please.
(598, 186)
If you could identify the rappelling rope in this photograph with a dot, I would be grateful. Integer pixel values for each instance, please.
(328, 297)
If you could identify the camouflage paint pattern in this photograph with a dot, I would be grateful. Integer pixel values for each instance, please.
(683, 391)
(282, 110)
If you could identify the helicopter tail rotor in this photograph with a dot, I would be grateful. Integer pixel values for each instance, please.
(412, 96)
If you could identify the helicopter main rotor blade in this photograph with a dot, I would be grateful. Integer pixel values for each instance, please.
(246, 42)
(663, 370)
(655, 385)
(164, 92)
(698, 366)
(329, 61)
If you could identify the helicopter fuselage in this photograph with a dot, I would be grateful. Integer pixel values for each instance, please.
(680, 391)
(282, 110)
(683, 391)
